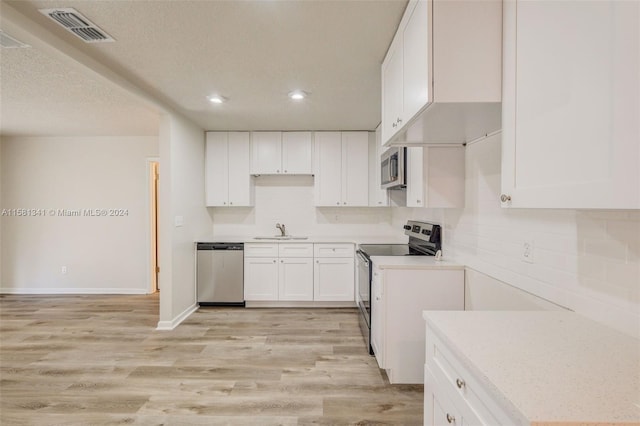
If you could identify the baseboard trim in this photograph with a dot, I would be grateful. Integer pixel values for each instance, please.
(170, 325)
(293, 304)
(71, 290)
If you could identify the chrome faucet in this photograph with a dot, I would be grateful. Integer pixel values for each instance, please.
(281, 228)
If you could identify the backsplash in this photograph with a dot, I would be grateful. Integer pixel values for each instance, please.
(290, 200)
(586, 260)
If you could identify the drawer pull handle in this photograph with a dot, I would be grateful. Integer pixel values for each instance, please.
(450, 418)
(460, 383)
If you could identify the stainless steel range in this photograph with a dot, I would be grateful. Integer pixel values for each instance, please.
(424, 240)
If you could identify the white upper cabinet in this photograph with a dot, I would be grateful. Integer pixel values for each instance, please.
(441, 77)
(281, 153)
(342, 169)
(571, 112)
(227, 178)
(435, 176)
(377, 197)
(297, 149)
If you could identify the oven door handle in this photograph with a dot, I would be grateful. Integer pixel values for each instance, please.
(362, 257)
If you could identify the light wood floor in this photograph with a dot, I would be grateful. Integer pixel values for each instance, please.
(96, 360)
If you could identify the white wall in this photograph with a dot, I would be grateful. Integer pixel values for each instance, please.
(586, 260)
(181, 188)
(102, 254)
(290, 200)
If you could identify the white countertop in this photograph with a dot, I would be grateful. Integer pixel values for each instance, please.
(312, 239)
(548, 367)
(413, 262)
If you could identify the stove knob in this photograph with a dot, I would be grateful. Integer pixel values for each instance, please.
(426, 232)
(407, 227)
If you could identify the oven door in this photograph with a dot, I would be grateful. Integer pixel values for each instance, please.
(364, 298)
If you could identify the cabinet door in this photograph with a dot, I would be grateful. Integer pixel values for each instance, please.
(570, 112)
(334, 279)
(266, 153)
(377, 197)
(392, 91)
(295, 279)
(328, 169)
(377, 318)
(416, 57)
(355, 169)
(216, 169)
(260, 278)
(296, 153)
(240, 179)
(415, 177)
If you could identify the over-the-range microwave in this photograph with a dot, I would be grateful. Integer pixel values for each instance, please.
(394, 168)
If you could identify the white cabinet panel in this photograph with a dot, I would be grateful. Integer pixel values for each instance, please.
(297, 153)
(240, 180)
(227, 178)
(571, 111)
(295, 250)
(295, 281)
(415, 181)
(260, 278)
(261, 250)
(266, 152)
(333, 250)
(334, 279)
(328, 165)
(416, 79)
(217, 169)
(392, 92)
(355, 168)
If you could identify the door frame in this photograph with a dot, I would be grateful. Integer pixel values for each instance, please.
(152, 226)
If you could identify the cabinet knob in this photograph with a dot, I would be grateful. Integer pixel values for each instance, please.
(418, 201)
(317, 261)
(224, 202)
(394, 124)
(274, 261)
(278, 171)
(345, 203)
(504, 198)
(399, 120)
(379, 202)
(282, 261)
(450, 418)
(338, 203)
(460, 383)
(285, 171)
(230, 203)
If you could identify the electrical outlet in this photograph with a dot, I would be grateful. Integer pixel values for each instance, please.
(63, 269)
(527, 251)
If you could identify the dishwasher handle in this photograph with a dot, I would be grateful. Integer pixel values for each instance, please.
(220, 246)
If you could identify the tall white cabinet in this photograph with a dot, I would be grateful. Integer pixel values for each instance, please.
(342, 169)
(227, 178)
(571, 104)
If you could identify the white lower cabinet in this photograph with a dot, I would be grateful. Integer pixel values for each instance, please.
(452, 395)
(298, 272)
(397, 329)
(295, 279)
(260, 278)
(270, 276)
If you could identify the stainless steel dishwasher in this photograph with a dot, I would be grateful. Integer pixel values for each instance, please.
(220, 274)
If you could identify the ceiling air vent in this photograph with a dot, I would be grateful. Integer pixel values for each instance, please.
(72, 21)
(8, 42)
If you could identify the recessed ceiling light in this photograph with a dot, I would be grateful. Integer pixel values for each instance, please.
(217, 99)
(297, 95)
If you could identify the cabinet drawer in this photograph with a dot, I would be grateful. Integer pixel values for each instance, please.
(464, 390)
(295, 250)
(261, 250)
(333, 250)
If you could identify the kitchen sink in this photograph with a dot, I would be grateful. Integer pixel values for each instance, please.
(280, 237)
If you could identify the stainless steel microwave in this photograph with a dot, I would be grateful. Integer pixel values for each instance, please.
(393, 168)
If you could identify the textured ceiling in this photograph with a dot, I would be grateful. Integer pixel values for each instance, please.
(253, 52)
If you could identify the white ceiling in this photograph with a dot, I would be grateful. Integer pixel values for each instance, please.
(253, 52)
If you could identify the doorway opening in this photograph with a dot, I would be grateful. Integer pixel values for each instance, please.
(154, 176)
